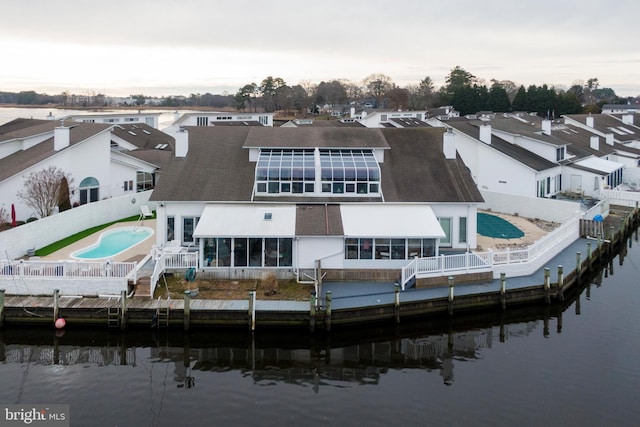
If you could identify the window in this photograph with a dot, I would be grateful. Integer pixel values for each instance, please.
(144, 181)
(89, 190)
(285, 171)
(188, 227)
(445, 223)
(386, 248)
(264, 120)
(560, 152)
(202, 121)
(462, 230)
(248, 252)
(349, 172)
(171, 225)
(149, 121)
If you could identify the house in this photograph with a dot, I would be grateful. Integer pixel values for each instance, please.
(214, 118)
(251, 199)
(621, 109)
(527, 155)
(501, 166)
(134, 117)
(387, 118)
(103, 160)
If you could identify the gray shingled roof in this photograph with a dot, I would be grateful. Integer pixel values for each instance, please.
(21, 160)
(516, 152)
(22, 128)
(310, 137)
(604, 122)
(217, 166)
(319, 220)
(142, 135)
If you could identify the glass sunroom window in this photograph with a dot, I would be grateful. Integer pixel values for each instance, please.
(285, 171)
(349, 171)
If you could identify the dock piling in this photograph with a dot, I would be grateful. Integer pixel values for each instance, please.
(56, 308)
(578, 267)
(450, 280)
(1, 307)
(252, 310)
(560, 283)
(503, 289)
(547, 284)
(327, 312)
(187, 309)
(123, 310)
(396, 303)
(312, 312)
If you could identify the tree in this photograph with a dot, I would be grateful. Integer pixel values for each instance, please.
(332, 92)
(498, 99)
(459, 78)
(269, 89)
(64, 203)
(423, 95)
(377, 86)
(42, 190)
(398, 97)
(246, 94)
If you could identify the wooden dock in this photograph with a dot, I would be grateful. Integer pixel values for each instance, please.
(120, 312)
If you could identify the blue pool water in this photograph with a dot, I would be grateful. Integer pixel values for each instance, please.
(113, 242)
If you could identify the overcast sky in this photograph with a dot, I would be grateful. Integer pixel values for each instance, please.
(179, 47)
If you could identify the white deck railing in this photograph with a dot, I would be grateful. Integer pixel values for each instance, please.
(65, 269)
(172, 260)
(477, 262)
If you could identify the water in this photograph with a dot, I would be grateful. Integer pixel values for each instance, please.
(562, 365)
(112, 242)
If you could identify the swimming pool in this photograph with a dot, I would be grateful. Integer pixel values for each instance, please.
(113, 242)
(494, 226)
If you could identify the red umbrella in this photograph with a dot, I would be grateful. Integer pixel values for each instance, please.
(13, 215)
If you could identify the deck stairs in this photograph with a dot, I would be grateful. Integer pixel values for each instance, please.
(143, 286)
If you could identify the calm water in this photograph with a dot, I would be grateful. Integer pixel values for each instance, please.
(568, 365)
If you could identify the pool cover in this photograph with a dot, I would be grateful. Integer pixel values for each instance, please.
(494, 226)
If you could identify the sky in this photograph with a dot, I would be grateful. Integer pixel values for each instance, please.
(180, 47)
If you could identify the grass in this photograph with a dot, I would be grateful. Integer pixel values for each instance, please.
(55, 246)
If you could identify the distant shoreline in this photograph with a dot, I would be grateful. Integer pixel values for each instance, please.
(118, 107)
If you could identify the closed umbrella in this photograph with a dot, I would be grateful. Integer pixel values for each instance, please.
(13, 215)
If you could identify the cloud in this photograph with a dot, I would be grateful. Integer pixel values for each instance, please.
(184, 43)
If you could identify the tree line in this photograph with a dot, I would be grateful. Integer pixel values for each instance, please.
(462, 90)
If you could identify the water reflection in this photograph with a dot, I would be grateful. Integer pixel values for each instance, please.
(344, 358)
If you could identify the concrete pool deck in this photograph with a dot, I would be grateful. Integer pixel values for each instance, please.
(135, 253)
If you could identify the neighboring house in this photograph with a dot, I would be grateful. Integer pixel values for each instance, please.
(388, 118)
(295, 123)
(101, 163)
(137, 117)
(624, 129)
(214, 118)
(545, 157)
(256, 198)
(501, 166)
(621, 109)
